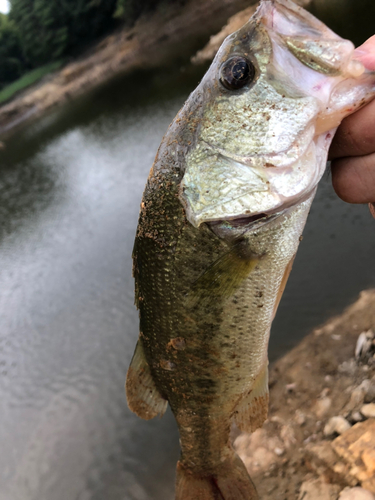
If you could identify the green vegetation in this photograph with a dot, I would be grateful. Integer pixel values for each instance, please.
(129, 10)
(11, 57)
(28, 79)
(38, 34)
(50, 29)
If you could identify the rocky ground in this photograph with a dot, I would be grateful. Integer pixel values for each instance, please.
(319, 440)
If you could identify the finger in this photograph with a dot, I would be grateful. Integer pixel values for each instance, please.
(356, 134)
(366, 54)
(354, 178)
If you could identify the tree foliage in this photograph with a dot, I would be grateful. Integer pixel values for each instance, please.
(39, 32)
(11, 58)
(129, 10)
(50, 29)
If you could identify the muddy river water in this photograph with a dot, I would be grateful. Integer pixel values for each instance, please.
(70, 188)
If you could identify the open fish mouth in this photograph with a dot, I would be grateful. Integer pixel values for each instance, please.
(250, 222)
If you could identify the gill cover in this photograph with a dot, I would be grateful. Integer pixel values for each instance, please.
(262, 142)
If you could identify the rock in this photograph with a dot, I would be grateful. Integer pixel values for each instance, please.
(263, 458)
(366, 385)
(325, 392)
(364, 345)
(279, 451)
(310, 439)
(357, 447)
(348, 367)
(288, 436)
(356, 494)
(358, 395)
(315, 489)
(300, 417)
(370, 394)
(290, 387)
(322, 407)
(321, 458)
(254, 440)
(242, 443)
(368, 411)
(356, 417)
(336, 425)
(260, 461)
(259, 451)
(368, 458)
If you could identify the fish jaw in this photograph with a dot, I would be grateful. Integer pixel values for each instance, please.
(263, 148)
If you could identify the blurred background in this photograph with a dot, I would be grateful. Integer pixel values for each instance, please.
(70, 188)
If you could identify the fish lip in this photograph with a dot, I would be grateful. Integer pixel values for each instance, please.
(255, 221)
(249, 222)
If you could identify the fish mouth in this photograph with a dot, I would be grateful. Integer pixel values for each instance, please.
(247, 223)
(253, 222)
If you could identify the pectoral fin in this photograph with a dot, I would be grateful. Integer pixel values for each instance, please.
(223, 277)
(142, 394)
(252, 409)
(283, 285)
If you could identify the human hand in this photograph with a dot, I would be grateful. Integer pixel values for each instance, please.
(353, 148)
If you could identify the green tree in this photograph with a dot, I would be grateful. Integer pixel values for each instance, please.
(129, 10)
(50, 29)
(12, 63)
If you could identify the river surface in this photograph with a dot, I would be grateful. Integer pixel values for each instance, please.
(70, 189)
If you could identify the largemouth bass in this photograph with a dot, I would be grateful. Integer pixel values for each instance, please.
(221, 218)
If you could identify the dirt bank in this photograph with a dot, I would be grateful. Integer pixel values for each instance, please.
(303, 450)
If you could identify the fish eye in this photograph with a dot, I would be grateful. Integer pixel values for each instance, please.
(236, 72)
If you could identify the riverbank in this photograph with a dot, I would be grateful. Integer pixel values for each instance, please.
(319, 439)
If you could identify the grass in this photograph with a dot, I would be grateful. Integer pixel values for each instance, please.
(28, 79)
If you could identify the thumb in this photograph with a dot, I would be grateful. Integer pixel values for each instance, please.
(366, 54)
